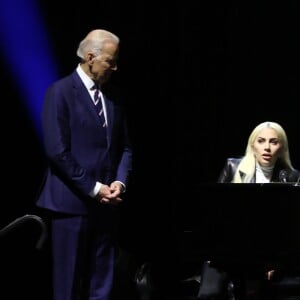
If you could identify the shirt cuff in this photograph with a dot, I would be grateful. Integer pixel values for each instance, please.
(95, 190)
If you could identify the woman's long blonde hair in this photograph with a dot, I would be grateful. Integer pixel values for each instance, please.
(248, 162)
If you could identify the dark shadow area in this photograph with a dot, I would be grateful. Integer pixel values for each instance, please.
(24, 259)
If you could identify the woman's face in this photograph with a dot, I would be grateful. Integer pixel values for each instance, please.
(267, 147)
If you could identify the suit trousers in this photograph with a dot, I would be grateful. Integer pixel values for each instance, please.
(83, 259)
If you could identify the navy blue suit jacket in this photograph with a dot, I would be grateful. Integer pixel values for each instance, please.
(79, 150)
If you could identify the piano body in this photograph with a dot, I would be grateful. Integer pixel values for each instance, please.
(250, 226)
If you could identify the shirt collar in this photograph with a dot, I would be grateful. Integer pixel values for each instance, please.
(87, 81)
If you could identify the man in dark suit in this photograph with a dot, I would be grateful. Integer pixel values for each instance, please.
(90, 160)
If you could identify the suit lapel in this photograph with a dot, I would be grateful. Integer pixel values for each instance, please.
(83, 95)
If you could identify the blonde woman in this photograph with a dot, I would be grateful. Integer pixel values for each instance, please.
(267, 158)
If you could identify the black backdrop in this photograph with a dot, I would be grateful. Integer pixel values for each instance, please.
(196, 76)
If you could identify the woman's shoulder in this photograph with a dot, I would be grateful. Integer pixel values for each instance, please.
(289, 174)
(233, 160)
(229, 169)
(294, 175)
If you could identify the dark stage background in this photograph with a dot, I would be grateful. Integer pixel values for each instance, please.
(196, 76)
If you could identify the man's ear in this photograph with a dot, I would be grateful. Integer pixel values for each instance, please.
(90, 58)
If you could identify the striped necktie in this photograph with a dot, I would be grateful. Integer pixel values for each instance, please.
(98, 106)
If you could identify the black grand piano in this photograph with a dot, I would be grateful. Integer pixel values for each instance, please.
(240, 223)
(244, 230)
